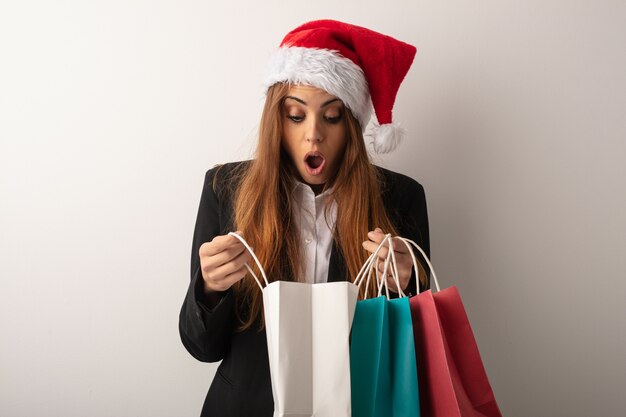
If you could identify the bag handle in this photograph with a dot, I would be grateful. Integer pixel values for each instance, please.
(256, 260)
(390, 263)
(360, 277)
(370, 265)
(408, 243)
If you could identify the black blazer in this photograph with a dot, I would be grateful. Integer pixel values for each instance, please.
(241, 386)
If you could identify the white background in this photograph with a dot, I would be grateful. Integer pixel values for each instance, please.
(112, 111)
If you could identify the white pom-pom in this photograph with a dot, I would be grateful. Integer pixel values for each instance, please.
(387, 137)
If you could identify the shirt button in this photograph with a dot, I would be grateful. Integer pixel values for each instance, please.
(307, 241)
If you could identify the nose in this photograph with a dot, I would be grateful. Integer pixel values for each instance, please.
(314, 131)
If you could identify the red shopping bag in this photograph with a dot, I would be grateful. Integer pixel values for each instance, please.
(452, 378)
(471, 380)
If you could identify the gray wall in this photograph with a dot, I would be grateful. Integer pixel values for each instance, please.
(111, 112)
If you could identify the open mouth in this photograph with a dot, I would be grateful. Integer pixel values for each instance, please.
(314, 163)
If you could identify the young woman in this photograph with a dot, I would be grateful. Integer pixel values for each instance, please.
(310, 203)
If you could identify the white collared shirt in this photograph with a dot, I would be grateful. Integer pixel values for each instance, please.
(316, 232)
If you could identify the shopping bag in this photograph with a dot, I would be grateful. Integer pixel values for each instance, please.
(370, 362)
(472, 384)
(308, 330)
(404, 381)
(452, 378)
(382, 353)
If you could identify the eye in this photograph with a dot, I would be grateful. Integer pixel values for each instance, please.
(294, 118)
(334, 119)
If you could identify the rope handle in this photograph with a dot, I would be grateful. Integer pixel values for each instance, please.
(390, 262)
(360, 277)
(408, 243)
(371, 264)
(256, 260)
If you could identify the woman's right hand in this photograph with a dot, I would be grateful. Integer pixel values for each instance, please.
(222, 262)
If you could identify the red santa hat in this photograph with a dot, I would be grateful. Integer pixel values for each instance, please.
(361, 67)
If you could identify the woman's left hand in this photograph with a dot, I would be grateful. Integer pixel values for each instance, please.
(404, 262)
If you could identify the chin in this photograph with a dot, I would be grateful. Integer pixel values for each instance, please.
(311, 179)
(314, 180)
(317, 180)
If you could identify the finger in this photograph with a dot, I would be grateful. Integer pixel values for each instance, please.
(217, 269)
(390, 269)
(209, 250)
(382, 253)
(381, 267)
(403, 262)
(220, 243)
(376, 235)
(225, 256)
(371, 247)
(228, 281)
(230, 267)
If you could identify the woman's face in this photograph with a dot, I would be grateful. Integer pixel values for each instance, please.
(314, 133)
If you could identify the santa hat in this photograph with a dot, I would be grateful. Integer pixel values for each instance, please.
(361, 67)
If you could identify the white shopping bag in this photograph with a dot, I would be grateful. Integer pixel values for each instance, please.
(308, 332)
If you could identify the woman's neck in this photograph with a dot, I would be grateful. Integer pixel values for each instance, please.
(317, 188)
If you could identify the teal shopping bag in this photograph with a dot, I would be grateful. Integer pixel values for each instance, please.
(383, 370)
(370, 368)
(404, 385)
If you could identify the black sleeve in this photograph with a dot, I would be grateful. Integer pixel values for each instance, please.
(405, 201)
(206, 331)
(416, 229)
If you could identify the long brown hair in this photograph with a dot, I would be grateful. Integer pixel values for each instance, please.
(263, 206)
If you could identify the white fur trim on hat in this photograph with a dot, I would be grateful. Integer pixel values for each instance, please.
(324, 69)
(387, 137)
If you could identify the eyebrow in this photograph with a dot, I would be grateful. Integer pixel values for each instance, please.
(299, 100)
